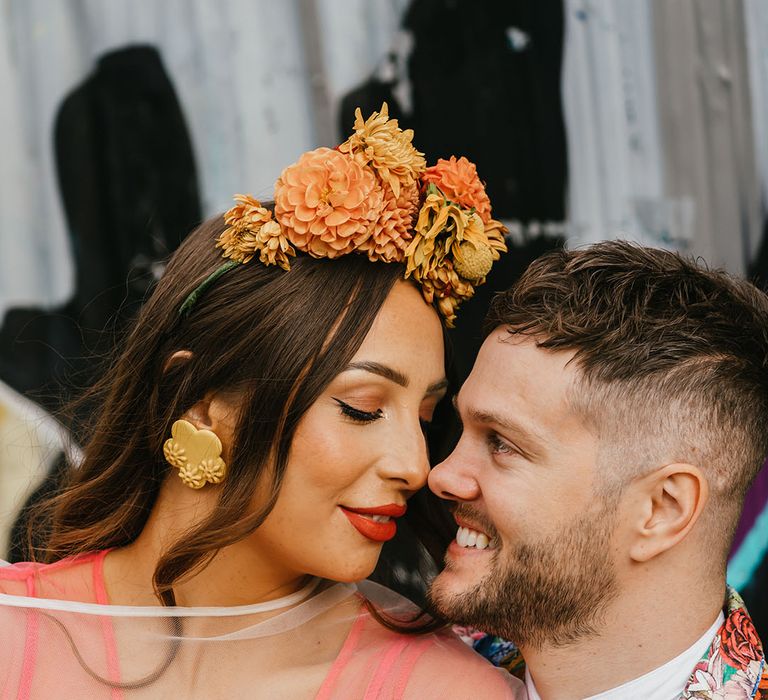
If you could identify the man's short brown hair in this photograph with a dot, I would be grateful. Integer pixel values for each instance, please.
(672, 358)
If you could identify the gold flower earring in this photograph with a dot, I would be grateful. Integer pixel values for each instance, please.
(196, 454)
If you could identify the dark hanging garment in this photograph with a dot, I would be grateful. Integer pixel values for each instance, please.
(486, 84)
(369, 97)
(129, 187)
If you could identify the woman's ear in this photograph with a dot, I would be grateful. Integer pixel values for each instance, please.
(178, 358)
(218, 414)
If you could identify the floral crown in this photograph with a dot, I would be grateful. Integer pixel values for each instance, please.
(373, 195)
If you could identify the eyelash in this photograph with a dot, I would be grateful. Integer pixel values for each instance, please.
(357, 415)
(364, 417)
(499, 446)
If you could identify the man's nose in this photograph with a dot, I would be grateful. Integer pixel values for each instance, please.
(453, 479)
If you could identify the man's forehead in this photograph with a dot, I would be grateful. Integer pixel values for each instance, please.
(513, 375)
(519, 358)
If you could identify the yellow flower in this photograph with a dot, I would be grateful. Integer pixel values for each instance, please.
(475, 251)
(380, 142)
(252, 230)
(438, 224)
(452, 251)
(192, 476)
(174, 453)
(213, 470)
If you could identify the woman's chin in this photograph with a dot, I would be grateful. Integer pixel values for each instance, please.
(351, 571)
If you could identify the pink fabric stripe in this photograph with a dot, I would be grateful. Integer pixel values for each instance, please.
(23, 570)
(412, 655)
(30, 647)
(100, 593)
(386, 665)
(342, 659)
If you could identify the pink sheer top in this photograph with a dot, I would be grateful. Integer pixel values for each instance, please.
(62, 639)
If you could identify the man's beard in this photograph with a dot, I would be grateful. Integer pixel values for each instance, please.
(549, 592)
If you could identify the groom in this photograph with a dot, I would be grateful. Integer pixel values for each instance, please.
(615, 416)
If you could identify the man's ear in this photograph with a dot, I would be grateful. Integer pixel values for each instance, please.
(671, 500)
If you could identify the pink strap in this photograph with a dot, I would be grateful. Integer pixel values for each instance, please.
(30, 647)
(100, 592)
(386, 665)
(412, 655)
(341, 660)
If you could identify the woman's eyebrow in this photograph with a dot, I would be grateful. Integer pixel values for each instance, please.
(382, 370)
(395, 376)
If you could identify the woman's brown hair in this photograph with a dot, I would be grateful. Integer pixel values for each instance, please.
(275, 338)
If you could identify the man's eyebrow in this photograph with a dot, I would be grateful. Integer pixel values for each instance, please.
(489, 417)
(437, 387)
(395, 376)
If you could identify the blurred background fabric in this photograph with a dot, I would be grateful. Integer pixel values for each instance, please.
(122, 125)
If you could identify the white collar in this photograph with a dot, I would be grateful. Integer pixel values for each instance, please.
(666, 682)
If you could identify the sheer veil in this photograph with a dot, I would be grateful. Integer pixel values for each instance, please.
(321, 642)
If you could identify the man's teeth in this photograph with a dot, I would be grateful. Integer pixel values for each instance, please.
(472, 538)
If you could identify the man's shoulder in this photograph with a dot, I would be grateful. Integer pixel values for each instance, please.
(500, 652)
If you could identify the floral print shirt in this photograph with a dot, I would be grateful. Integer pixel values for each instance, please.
(733, 668)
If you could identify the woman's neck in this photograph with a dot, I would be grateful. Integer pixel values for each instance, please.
(237, 575)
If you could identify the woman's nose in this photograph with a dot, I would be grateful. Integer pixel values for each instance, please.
(407, 460)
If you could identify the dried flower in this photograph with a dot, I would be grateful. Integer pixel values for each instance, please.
(252, 230)
(444, 286)
(365, 197)
(328, 203)
(452, 251)
(458, 180)
(438, 224)
(393, 231)
(382, 143)
(476, 249)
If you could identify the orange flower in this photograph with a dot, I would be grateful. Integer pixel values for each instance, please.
(459, 182)
(739, 643)
(393, 231)
(251, 230)
(382, 143)
(327, 202)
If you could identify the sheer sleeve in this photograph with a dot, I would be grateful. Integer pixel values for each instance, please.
(448, 669)
(61, 640)
(376, 663)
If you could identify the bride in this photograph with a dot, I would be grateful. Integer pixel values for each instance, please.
(257, 439)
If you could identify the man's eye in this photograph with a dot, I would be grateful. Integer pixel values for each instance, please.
(357, 415)
(499, 446)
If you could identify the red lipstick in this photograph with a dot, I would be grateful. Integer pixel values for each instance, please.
(376, 531)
